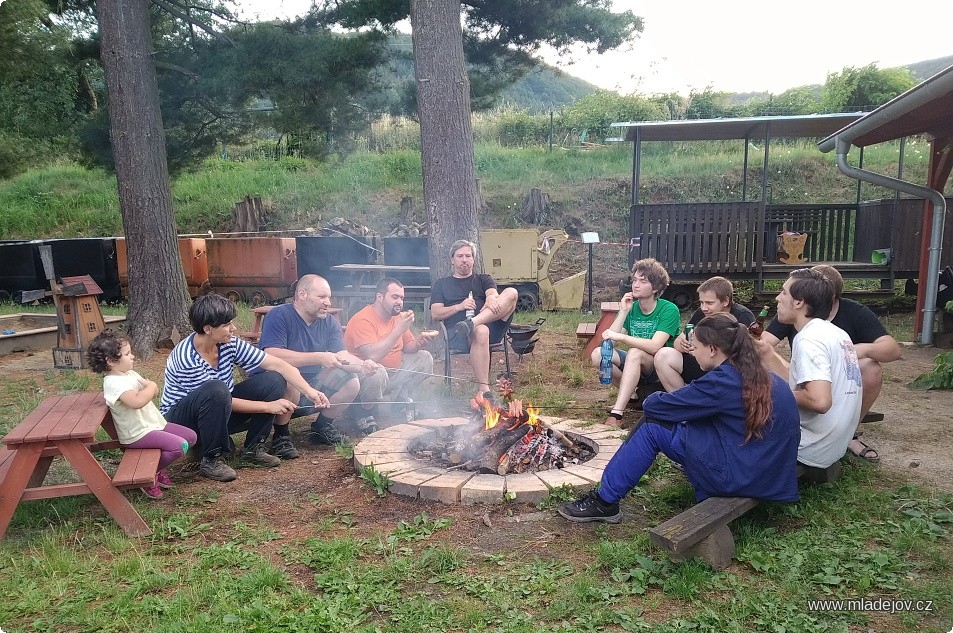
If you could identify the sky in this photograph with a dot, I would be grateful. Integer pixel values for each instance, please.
(744, 45)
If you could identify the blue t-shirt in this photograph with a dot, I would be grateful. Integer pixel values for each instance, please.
(285, 329)
(186, 370)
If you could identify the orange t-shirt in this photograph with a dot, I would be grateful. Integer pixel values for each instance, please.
(365, 328)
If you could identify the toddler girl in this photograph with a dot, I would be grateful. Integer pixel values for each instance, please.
(129, 396)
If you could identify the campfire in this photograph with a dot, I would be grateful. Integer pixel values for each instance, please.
(506, 439)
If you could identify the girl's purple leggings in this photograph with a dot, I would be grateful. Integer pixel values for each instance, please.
(173, 441)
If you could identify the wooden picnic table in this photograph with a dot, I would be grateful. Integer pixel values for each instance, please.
(66, 426)
(609, 311)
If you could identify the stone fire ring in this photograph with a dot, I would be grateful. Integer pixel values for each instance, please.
(390, 451)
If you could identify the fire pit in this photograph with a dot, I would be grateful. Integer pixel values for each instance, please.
(505, 440)
(400, 452)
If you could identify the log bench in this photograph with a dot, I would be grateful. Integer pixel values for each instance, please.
(702, 530)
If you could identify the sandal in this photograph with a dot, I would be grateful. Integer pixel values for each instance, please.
(872, 416)
(865, 454)
(614, 420)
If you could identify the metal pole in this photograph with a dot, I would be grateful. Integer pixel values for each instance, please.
(590, 278)
(744, 172)
(550, 130)
(861, 182)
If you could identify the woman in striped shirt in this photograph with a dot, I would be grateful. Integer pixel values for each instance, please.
(200, 391)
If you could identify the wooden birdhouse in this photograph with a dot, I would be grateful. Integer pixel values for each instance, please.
(79, 319)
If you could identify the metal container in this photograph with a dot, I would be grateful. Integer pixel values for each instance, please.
(256, 270)
(191, 253)
(408, 251)
(316, 255)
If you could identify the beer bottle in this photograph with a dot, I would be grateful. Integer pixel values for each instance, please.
(756, 329)
(470, 311)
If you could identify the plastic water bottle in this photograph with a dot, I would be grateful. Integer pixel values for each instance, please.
(470, 312)
(605, 367)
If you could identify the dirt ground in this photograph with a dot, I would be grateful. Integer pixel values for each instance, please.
(914, 441)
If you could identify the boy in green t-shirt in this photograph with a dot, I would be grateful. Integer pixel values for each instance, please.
(644, 329)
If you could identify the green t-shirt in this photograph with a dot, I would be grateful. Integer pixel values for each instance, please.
(664, 318)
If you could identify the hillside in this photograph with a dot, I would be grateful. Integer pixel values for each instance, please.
(928, 68)
(546, 88)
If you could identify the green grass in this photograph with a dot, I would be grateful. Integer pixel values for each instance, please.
(65, 566)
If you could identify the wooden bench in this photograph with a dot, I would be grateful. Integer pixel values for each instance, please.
(702, 530)
(137, 468)
(586, 330)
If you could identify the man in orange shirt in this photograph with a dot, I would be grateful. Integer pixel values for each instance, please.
(381, 332)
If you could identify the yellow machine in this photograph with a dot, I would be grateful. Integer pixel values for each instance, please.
(521, 257)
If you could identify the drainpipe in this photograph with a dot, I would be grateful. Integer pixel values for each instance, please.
(936, 238)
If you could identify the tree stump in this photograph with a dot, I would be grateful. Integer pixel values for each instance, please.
(248, 215)
(537, 208)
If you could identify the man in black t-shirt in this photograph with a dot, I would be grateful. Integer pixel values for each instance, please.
(872, 343)
(675, 366)
(464, 290)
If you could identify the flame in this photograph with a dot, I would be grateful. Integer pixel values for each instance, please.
(533, 415)
(514, 414)
(491, 416)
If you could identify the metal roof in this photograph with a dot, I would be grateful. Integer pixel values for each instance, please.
(802, 125)
(927, 108)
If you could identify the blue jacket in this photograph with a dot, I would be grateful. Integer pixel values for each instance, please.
(711, 420)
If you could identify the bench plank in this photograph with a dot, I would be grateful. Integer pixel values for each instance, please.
(586, 330)
(6, 459)
(682, 531)
(137, 467)
(702, 530)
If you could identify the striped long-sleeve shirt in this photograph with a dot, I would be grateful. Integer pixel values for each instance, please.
(185, 370)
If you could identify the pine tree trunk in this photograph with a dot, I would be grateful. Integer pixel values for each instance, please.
(158, 295)
(451, 199)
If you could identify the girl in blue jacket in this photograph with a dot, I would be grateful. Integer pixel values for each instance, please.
(735, 430)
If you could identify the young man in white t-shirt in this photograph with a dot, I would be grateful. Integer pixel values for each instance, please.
(823, 373)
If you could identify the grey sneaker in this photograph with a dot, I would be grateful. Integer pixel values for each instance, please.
(283, 448)
(215, 468)
(325, 433)
(590, 508)
(259, 456)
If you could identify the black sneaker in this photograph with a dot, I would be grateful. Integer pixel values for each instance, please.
(464, 329)
(215, 468)
(259, 456)
(365, 425)
(282, 448)
(590, 508)
(326, 434)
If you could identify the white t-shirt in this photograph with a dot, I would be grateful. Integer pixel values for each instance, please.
(823, 351)
(131, 424)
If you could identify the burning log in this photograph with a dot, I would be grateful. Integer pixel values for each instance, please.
(565, 441)
(504, 441)
(468, 448)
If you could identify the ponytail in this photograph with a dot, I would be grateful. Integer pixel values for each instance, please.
(724, 332)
